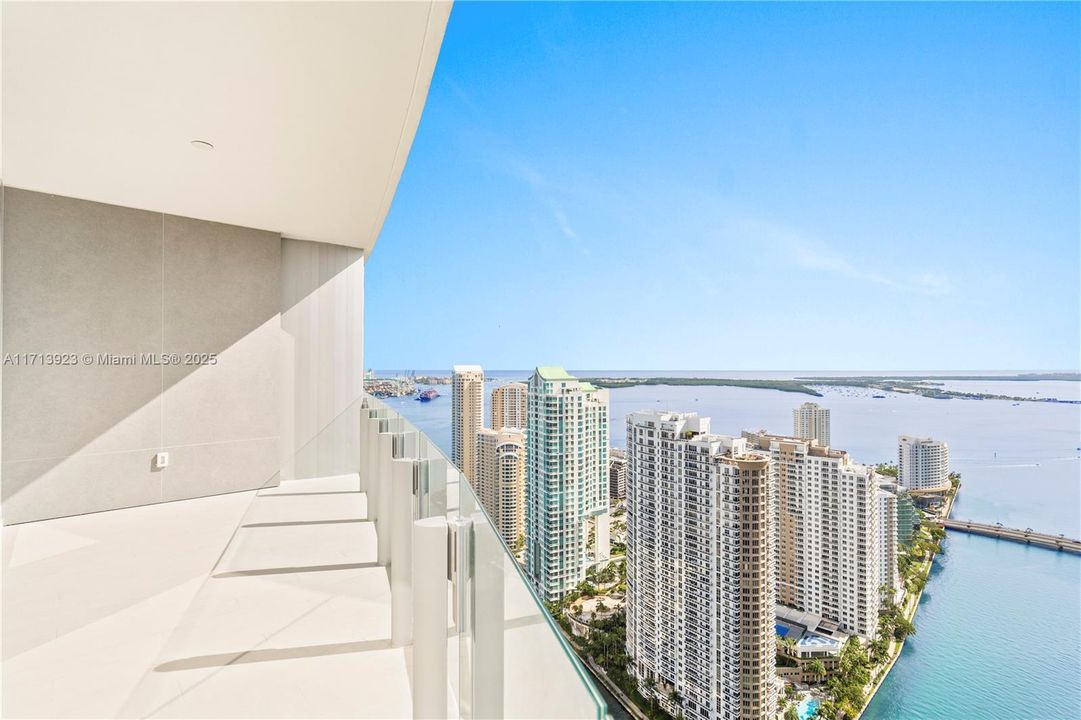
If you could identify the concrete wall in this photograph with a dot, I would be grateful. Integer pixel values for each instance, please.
(87, 278)
(322, 323)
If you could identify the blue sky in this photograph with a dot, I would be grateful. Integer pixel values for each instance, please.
(740, 186)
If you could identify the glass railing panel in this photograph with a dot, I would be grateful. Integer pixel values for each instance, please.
(510, 638)
(506, 655)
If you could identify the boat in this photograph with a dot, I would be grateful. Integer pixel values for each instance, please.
(879, 397)
(428, 395)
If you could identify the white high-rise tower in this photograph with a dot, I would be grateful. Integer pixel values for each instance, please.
(923, 463)
(700, 569)
(829, 544)
(811, 421)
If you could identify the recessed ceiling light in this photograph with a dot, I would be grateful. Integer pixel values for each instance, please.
(202, 145)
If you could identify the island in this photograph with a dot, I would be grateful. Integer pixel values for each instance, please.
(929, 386)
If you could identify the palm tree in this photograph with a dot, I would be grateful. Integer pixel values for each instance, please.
(817, 668)
(827, 710)
(879, 649)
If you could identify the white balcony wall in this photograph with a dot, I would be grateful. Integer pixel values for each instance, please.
(90, 279)
(322, 329)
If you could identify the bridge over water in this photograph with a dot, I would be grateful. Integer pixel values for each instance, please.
(1029, 537)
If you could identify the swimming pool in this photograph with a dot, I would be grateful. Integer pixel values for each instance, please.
(807, 708)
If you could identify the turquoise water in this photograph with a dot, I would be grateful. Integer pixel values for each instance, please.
(998, 636)
(807, 708)
(999, 627)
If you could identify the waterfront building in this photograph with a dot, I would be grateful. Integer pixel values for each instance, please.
(510, 407)
(828, 542)
(467, 416)
(500, 479)
(886, 499)
(923, 464)
(566, 480)
(811, 421)
(700, 569)
(617, 474)
(908, 518)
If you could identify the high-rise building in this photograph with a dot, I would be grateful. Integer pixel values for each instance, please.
(700, 569)
(811, 421)
(467, 416)
(510, 407)
(566, 480)
(908, 518)
(923, 464)
(500, 479)
(886, 498)
(617, 474)
(828, 543)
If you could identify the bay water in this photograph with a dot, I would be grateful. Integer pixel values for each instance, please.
(999, 626)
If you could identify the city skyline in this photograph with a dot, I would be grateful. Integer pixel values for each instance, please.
(214, 506)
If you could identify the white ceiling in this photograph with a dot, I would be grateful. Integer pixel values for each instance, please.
(311, 107)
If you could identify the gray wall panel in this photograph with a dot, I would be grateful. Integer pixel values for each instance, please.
(85, 277)
(80, 277)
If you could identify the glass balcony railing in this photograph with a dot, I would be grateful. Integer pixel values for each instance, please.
(483, 646)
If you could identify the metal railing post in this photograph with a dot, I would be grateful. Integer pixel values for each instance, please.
(403, 481)
(365, 456)
(382, 487)
(461, 576)
(370, 460)
(429, 571)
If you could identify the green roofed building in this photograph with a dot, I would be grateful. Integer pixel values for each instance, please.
(566, 480)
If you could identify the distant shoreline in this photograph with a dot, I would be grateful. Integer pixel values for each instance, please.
(923, 385)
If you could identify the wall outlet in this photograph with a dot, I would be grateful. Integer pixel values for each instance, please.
(161, 460)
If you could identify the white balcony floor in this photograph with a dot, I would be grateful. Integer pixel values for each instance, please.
(164, 611)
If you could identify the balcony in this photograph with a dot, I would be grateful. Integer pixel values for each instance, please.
(384, 594)
(246, 535)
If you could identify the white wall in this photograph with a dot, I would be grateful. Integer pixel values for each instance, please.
(84, 278)
(322, 351)
(283, 317)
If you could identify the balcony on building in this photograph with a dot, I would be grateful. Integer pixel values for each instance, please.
(227, 526)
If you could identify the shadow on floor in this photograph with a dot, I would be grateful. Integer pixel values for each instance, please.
(289, 570)
(272, 654)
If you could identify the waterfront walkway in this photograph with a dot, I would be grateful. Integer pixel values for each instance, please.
(1029, 537)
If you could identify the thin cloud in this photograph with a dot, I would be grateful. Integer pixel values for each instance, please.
(821, 259)
(564, 226)
(817, 256)
(500, 153)
(543, 190)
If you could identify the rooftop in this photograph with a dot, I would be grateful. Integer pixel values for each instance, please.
(554, 372)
